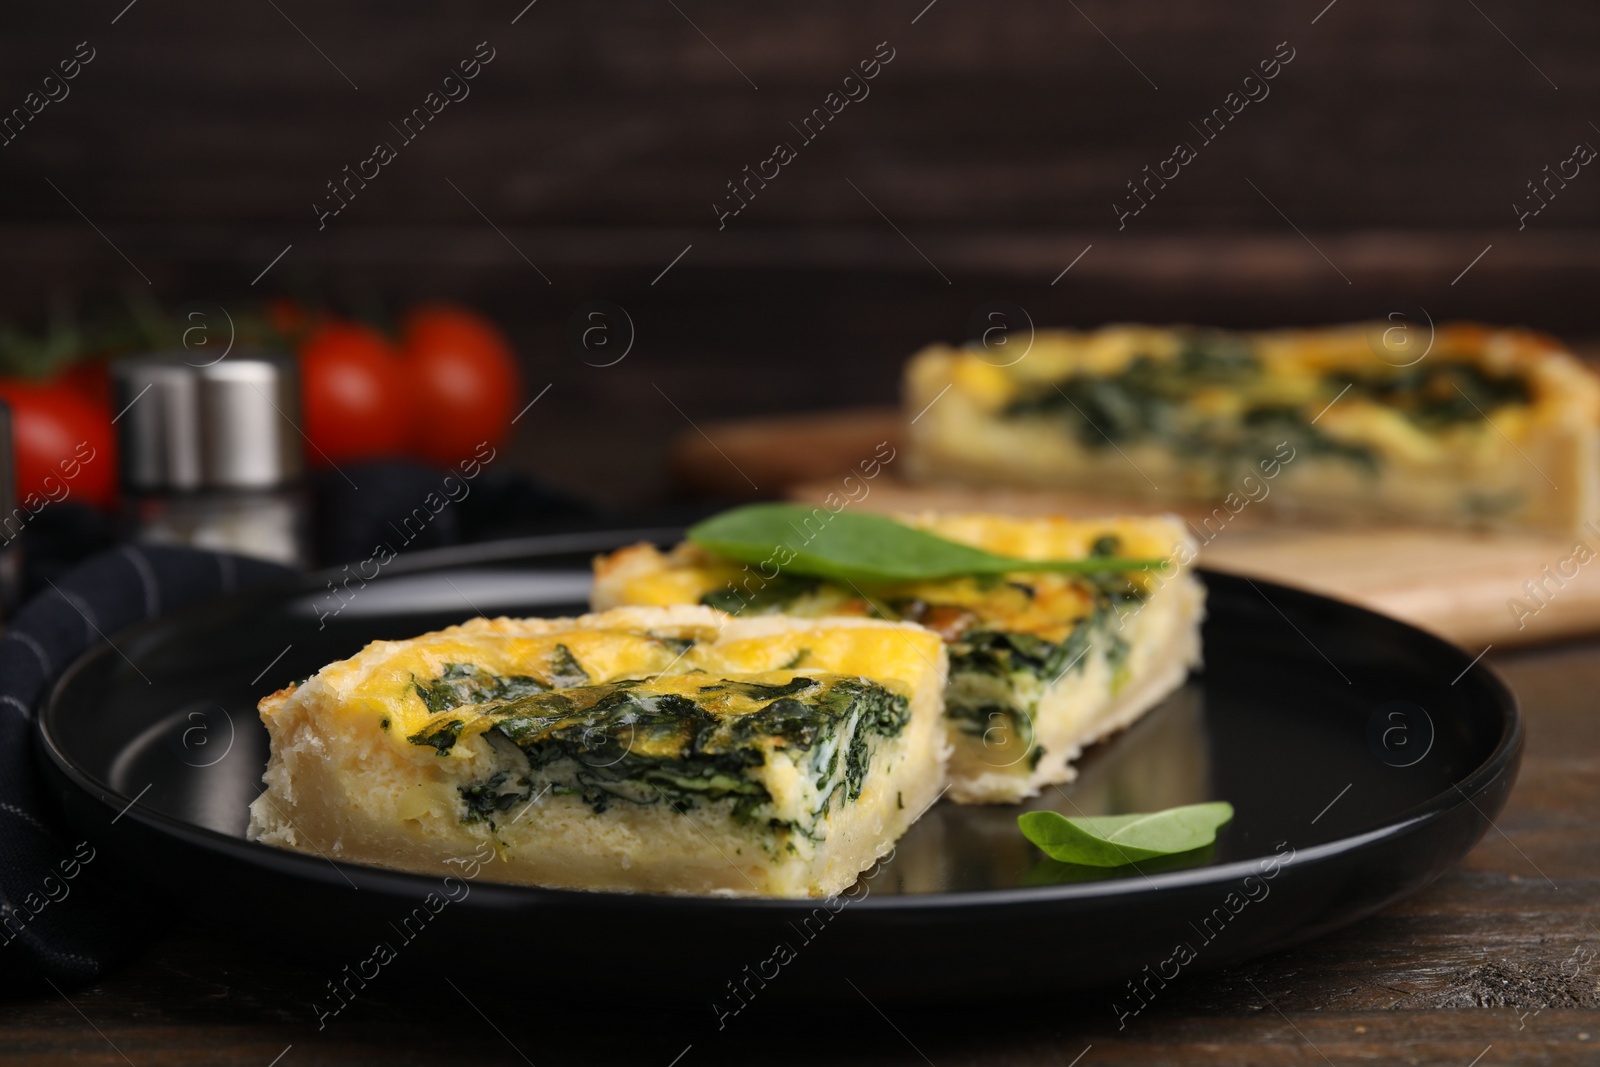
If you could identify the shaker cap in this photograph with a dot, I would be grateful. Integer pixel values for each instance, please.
(228, 425)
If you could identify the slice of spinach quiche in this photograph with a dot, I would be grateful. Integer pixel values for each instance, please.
(1041, 664)
(1475, 426)
(653, 749)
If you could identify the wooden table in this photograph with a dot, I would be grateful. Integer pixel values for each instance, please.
(1498, 962)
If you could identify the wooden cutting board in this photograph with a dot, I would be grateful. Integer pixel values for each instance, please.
(1477, 589)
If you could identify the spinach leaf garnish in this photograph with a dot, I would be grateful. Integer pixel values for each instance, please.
(1046, 871)
(857, 546)
(1115, 840)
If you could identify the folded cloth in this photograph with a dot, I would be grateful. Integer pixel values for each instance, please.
(58, 920)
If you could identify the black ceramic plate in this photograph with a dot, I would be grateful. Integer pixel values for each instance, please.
(1362, 756)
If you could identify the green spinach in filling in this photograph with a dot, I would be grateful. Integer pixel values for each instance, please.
(999, 675)
(1438, 395)
(772, 595)
(627, 741)
(1149, 399)
(462, 684)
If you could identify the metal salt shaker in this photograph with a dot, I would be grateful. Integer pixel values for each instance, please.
(210, 456)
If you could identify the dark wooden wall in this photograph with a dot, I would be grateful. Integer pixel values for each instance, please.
(996, 141)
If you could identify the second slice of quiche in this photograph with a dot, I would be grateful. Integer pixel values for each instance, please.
(1041, 664)
(657, 749)
(1467, 426)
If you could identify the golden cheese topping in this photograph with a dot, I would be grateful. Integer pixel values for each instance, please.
(388, 687)
(409, 687)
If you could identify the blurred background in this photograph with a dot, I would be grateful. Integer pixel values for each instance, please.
(188, 186)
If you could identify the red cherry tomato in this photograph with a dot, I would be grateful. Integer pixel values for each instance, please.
(356, 404)
(90, 378)
(64, 444)
(463, 376)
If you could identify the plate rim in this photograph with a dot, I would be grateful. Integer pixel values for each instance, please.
(1503, 758)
